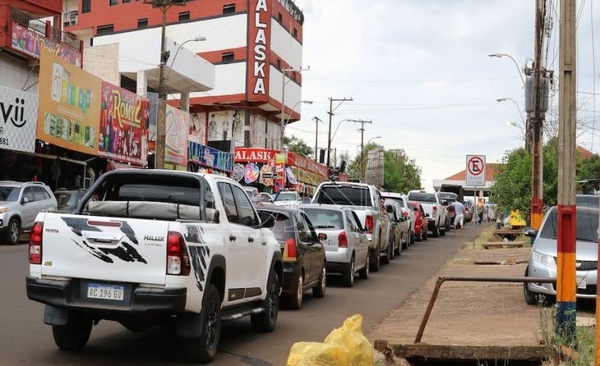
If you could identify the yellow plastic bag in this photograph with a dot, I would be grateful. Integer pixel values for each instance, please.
(345, 346)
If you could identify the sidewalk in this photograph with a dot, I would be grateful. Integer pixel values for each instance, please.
(470, 313)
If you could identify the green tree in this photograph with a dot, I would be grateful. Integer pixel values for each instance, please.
(400, 173)
(298, 146)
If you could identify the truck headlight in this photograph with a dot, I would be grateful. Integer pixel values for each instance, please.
(547, 260)
(3, 210)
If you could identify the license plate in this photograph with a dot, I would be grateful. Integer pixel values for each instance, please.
(105, 292)
(581, 282)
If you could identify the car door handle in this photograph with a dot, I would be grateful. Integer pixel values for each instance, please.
(232, 238)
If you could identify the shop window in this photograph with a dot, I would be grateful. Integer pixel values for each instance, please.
(228, 8)
(280, 18)
(184, 15)
(227, 57)
(295, 33)
(126, 1)
(104, 29)
(86, 6)
(142, 23)
(246, 138)
(113, 2)
(279, 64)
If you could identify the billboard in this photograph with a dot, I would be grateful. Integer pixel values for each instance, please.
(176, 139)
(124, 118)
(69, 105)
(18, 111)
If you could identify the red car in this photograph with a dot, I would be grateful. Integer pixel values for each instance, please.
(420, 221)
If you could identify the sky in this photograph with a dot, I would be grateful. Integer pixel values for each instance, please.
(420, 71)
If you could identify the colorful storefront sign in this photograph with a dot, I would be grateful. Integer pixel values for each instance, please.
(69, 105)
(18, 119)
(123, 119)
(212, 158)
(176, 139)
(31, 43)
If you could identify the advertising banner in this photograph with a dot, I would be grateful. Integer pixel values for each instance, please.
(69, 105)
(123, 120)
(211, 157)
(30, 42)
(176, 139)
(18, 111)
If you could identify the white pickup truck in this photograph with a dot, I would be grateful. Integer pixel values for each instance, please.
(148, 247)
(435, 211)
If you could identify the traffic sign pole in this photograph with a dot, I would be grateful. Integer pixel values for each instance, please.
(475, 176)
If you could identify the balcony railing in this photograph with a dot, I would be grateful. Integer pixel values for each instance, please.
(293, 9)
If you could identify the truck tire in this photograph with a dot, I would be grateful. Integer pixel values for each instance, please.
(375, 260)
(435, 232)
(265, 322)
(386, 258)
(203, 349)
(75, 334)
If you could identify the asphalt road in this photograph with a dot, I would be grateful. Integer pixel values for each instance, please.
(28, 341)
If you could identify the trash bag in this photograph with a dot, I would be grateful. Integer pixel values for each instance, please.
(345, 346)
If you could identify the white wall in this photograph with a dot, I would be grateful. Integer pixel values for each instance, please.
(103, 62)
(16, 74)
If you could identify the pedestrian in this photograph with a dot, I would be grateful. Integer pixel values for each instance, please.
(479, 210)
(459, 214)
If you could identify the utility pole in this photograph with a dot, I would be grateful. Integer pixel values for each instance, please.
(317, 120)
(566, 280)
(362, 141)
(330, 112)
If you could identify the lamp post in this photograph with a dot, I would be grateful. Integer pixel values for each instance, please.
(161, 108)
(196, 39)
(500, 55)
(525, 123)
(283, 83)
(287, 120)
(499, 100)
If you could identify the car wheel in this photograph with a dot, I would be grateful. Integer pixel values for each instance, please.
(295, 300)
(203, 349)
(375, 261)
(363, 274)
(319, 290)
(348, 279)
(412, 236)
(420, 236)
(265, 322)
(398, 251)
(14, 228)
(435, 232)
(386, 258)
(74, 335)
(424, 233)
(392, 250)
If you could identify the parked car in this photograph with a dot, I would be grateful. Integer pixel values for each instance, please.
(590, 200)
(20, 202)
(468, 210)
(303, 253)
(420, 220)
(543, 258)
(435, 210)
(344, 239)
(68, 199)
(400, 236)
(407, 212)
(289, 198)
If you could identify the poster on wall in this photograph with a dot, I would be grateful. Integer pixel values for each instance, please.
(69, 105)
(197, 128)
(123, 119)
(18, 111)
(176, 139)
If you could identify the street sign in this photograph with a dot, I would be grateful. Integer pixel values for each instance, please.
(475, 170)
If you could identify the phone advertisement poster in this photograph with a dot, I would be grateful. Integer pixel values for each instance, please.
(176, 139)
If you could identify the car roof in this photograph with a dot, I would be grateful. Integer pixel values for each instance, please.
(393, 194)
(319, 206)
(13, 183)
(282, 209)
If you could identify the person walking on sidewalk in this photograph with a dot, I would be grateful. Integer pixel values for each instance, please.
(459, 214)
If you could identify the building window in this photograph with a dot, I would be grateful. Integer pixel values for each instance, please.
(126, 1)
(228, 8)
(279, 64)
(295, 33)
(113, 2)
(227, 57)
(184, 15)
(246, 138)
(279, 18)
(86, 6)
(104, 29)
(142, 23)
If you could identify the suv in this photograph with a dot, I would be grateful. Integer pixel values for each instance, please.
(407, 213)
(287, 198)
(434, 210)
(20, 202)
(364, 199)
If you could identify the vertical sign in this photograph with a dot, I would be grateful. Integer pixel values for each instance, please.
(176, 139)
(18, 111)
(475, 170)
(259, 22)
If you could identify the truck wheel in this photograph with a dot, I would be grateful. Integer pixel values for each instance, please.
(295, 300)
(386, 258)
(375, 259)
(74, 335)
(12, 235)
(265, 322)
(348, 275)
(363, 274)
(203, 349)
(319, 290)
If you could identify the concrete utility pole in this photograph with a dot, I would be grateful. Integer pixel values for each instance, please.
(537, 120)
(362, 139)
(330, 112)
(317, 120)
(566, 279)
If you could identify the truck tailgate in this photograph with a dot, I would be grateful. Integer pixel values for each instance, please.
(103, 248)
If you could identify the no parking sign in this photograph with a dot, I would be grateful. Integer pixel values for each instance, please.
(475, 170)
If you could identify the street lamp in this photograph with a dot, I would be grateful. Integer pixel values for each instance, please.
(161, 108)
(196, 39)
(283, 83)
(499, 100)
(287, 120)
(525, 127)
(500, 55)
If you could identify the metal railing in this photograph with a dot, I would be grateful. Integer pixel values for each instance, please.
(38, 26)
(442, 279)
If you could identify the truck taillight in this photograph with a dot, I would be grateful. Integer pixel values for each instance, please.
(35, 243)
(290, 249)
(369, 224)
(405, 213)
(178, 260)
(342, 240)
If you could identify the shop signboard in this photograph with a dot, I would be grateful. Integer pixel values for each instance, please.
(30, 42)
(176, 139)
(123, 120)
(210, 157)
(18, 119)
(253, 155)
(69, 105)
